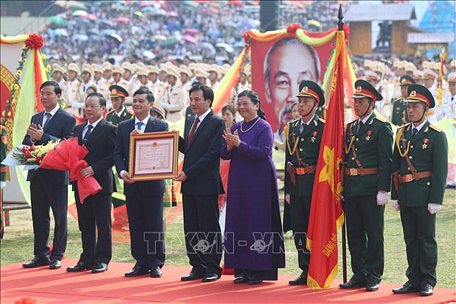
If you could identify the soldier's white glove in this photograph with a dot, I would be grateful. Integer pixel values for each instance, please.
(287, 197)
(433, 208)
(395, 205)
(2, 185)
(382, 198)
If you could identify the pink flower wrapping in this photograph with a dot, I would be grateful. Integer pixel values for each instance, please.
(69, 156)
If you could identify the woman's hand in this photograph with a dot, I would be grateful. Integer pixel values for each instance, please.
(231, 139)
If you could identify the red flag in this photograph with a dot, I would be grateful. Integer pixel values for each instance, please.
(326, 213)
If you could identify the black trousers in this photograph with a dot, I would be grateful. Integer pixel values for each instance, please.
(94, 215)
(202, 233)
(145, 219)
(365, 237)
(44, 196)
(419, 236)
(300, 213)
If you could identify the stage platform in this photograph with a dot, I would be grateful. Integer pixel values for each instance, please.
(57, 286)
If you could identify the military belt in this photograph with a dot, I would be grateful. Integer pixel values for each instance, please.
(407, 178)
(305, 170)
(360, 171)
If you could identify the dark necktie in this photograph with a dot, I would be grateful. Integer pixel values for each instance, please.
(414, 132)
(139, 125)
(192, 131)
(88, 132)
(302, 128)
(48, 118)
(360, 125)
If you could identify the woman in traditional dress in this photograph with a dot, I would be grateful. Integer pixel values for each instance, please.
(253, 232)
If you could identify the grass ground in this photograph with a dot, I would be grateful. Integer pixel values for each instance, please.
(17, 245)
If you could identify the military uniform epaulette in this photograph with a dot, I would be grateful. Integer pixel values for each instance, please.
(321, 120)
(404, 126)
(433, 127)
(397, 99)
(380, 119)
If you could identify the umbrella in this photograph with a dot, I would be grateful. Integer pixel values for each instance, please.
(149, 55)
(80, 37)
(139, 14)
(122, 20)
(190, 39)
(191, 31)
(170, 41)
(159, 37)
(208, 46)
(57, 20)
(226, 47)
(79, 13)
(108, 32)
(61, 32)
(172, 14)
(89, 17)
(146, 3)
(116, 37)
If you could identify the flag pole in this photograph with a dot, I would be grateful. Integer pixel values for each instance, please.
(340, 27)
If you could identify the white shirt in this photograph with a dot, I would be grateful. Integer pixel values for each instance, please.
(53, 111)
(93, 126)
(201, 118)
(420, 126)
(121, 112)
(144, 121)
(365, 119)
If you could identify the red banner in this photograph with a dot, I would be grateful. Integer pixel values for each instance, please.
(280, 61)
(326, 212)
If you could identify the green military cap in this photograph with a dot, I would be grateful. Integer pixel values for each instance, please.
(312, 89)
(419, 93)
(117, 91)
(364, 89)
(406, 80)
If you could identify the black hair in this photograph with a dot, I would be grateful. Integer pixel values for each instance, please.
(229, 107)
(253, 96)
(101, 98)
(51, 83)
(207, 92)
(145, 90)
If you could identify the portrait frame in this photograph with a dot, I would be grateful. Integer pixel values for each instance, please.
(162, 147)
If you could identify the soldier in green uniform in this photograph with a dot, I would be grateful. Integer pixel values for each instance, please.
(119, 112)
(302, 149)
(367, 179)
(420, 168)
(399, 117)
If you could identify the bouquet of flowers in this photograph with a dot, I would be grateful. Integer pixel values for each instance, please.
(28, 156)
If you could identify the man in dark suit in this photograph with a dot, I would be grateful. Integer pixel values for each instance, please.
(94, 214)
(144, 199)
(201, 185)
(49, 188)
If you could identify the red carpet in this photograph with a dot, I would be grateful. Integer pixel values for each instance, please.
(57, 286)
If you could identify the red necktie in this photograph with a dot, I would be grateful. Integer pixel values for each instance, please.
(192, 131)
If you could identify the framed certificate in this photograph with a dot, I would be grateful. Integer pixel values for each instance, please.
(153, 155)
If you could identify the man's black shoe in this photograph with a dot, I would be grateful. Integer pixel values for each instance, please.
(192, 277)
(55, 264)
(353, 283)
(36, 262)
(426, 289)
(155, 272)
(99, 267)
(80, 266)
(137, 271)
(408, 287)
